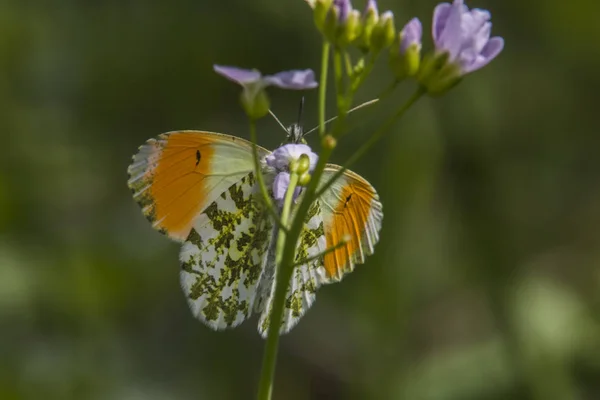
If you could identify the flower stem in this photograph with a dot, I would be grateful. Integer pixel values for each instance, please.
(283, 276)
(287, 241)
(379, 133)
(323, 86)
(340, 84)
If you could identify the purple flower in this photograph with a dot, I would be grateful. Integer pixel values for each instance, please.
(411, 35)
(280, 186)
(405, 55)
(254, 98)
(343, 8)
(465, 35)
(294, 79)
(372, 7)
(280, 160)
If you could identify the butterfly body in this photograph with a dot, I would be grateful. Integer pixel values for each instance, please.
(199, 188)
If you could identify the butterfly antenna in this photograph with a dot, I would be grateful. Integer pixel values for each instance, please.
(278, 121)
(300, 111)
(358, 107)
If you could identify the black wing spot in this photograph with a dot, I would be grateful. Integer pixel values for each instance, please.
(348, 200)
(198, 156)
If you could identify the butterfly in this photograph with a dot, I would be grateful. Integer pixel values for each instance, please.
(199, 188)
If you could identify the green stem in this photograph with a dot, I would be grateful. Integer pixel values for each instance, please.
(286, 249)
(340, 86)
(283, 274)
(323, 86)
(379, 133)
(261, 180)
(364, 73)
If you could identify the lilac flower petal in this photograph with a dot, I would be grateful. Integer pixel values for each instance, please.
(411, 34)
(238, 75)
(294, 79)
(451, 38)
(473, 20)
(490, 51)
(280, 185)
(343, 7)
(440, 17)
(371, 5)
(280, 158)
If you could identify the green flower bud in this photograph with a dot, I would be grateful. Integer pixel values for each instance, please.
(304, 179)
(352, 28)
(303, 164)
(321, 8)
(384, 32)
(405, 54)
(329, 142)
(370, 19)
(255, 101)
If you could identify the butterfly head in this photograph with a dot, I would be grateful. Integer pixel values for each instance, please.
(295, 134)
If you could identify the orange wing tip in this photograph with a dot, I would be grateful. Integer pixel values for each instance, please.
(358, 216)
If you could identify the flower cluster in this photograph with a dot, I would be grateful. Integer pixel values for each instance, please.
(461, 38)
(462, 44)
(295, 158)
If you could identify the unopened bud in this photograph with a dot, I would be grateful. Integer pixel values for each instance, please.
(304, 179)
(321, 9)
(384, 32)
(303, 164)
(255, 101)
(329, 142)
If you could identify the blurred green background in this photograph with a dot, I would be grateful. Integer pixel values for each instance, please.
(485, 284)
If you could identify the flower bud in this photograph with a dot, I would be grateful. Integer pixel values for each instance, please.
(405, 54)
(384, 32)
(370, 19)
(304, 179)
(329, 142)
(321, 8)
(303, 164)
(255, 101)
(351, 30)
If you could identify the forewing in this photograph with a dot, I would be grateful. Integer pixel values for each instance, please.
(350, 207)
(179, 174)
(223, 257)
(305, 280)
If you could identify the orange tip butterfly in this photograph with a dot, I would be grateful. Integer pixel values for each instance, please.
(199, 188)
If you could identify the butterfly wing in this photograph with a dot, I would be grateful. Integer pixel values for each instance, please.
(223, 259)
(177, 175)
(199, 188)
(349, 207)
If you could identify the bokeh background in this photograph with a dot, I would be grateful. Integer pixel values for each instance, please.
(486, 281)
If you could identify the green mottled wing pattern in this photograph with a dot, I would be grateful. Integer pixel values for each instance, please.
(305, 280)
(224, 256)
